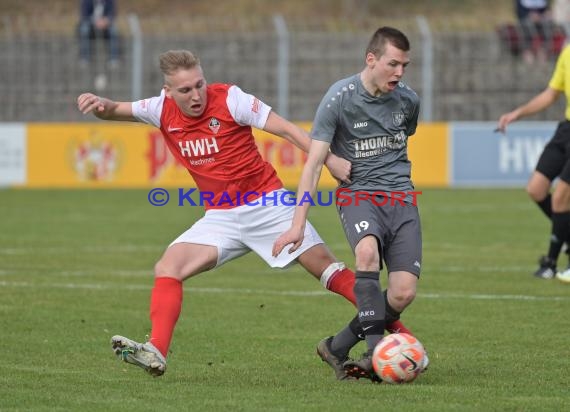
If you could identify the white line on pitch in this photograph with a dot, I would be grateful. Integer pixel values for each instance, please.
(125, 248)
(99, 286)
(149, 272)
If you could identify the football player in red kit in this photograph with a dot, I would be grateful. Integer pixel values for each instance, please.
(208, 128)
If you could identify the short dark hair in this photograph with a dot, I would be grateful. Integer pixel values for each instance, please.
(377, 44)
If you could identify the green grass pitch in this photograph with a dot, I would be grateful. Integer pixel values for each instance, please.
(76, 268)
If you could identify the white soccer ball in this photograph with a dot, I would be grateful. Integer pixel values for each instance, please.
(398, 358)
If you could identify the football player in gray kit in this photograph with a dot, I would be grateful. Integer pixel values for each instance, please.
(367, 119)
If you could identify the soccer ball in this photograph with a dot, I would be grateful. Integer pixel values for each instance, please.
(398, 358)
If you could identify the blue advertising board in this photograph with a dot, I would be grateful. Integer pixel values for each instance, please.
(479, 156)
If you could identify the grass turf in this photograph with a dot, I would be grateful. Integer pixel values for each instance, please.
(76, 268)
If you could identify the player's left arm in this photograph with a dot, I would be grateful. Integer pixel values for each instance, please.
(413, 122)
(537, 104)
(277, 125)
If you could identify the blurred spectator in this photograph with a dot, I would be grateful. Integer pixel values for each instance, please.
(535, 23)
(561, 15)
(97, 20)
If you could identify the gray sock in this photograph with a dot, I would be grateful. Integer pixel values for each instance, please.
(343, 342)
(371, 306)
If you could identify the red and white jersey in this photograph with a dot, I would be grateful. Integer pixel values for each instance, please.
(217, 148)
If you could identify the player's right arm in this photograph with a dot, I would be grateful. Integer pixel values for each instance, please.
(277, 125)
(310, 176)
(104, 108)
(537, 104)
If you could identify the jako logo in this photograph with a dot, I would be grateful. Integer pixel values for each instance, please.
(359, 125)
(365, 313)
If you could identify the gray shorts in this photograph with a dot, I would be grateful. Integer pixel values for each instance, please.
(396, 227)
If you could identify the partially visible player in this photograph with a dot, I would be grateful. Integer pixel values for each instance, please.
(553, 162)
(208, 128)
(367, 119)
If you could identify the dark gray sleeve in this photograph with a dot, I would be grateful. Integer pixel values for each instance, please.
(413, 122)
(326, 119)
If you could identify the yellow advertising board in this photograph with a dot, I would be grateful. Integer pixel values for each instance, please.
(114, 154)
(101, 155)
(428, 150)
(129, 155)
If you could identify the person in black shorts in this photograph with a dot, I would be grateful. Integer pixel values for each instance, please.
(553, 163)
(367, 118)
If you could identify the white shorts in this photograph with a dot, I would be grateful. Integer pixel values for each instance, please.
(242, 229)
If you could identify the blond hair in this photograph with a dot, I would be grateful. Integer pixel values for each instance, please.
(174, 60)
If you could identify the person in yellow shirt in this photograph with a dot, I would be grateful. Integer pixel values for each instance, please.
(554, 162)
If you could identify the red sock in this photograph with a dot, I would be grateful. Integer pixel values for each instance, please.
(398, 327)
(342, 282)
(165, 307)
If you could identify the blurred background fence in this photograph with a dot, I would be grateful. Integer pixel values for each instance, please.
(461, 73)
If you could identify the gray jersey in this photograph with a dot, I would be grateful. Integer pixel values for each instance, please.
(371, 132)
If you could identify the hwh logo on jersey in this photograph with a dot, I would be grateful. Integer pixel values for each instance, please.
(199, 147)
